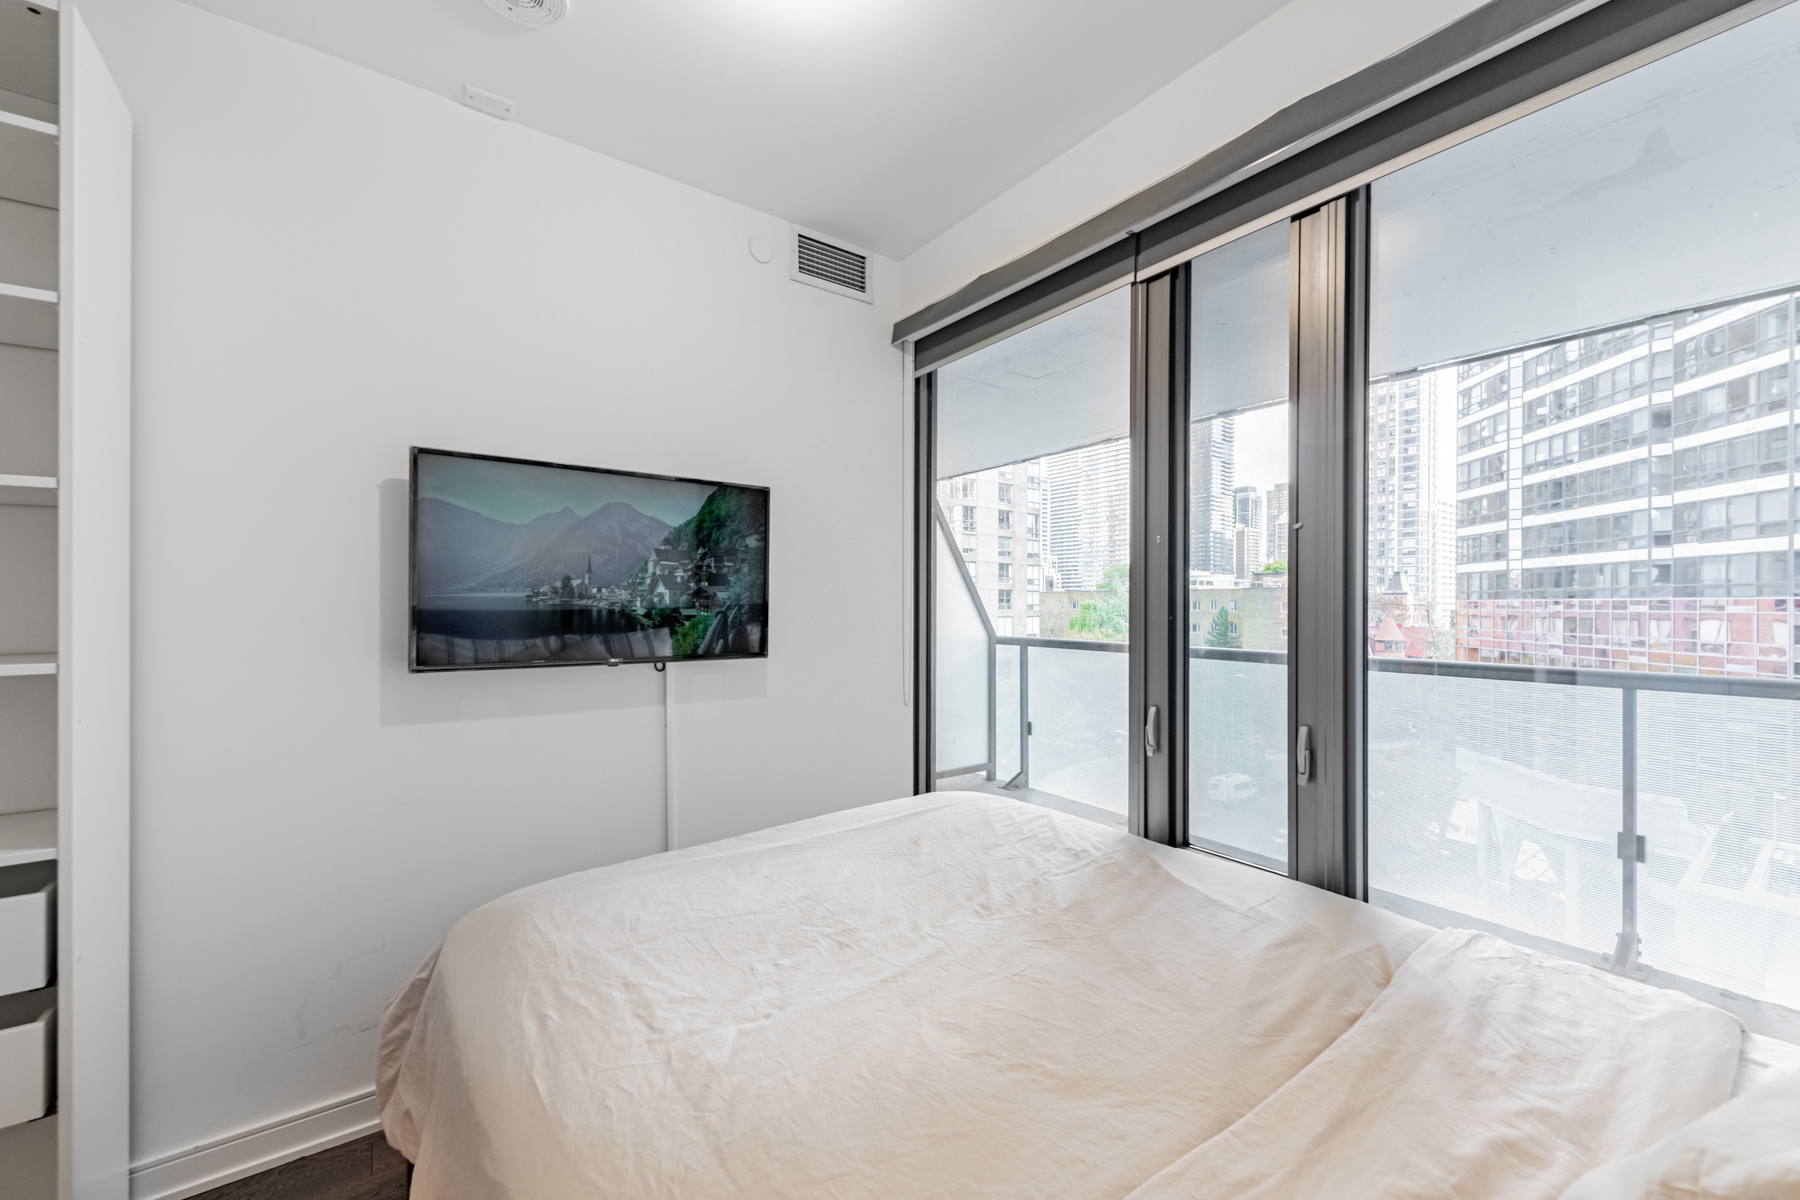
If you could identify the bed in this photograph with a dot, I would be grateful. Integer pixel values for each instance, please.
(965, 995)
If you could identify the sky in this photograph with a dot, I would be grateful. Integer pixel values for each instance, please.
(516, 492)
(1262, 448)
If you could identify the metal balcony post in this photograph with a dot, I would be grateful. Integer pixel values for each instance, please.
(993, 698)
(1023, 778)
(1625, 954)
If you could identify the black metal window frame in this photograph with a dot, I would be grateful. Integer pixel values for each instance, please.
(1328, 664)
(1493, 63)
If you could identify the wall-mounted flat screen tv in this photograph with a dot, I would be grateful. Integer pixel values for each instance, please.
(530, 564)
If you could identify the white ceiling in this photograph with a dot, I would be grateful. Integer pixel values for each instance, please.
(880, 121)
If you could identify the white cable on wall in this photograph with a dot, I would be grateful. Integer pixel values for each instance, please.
(668, 759)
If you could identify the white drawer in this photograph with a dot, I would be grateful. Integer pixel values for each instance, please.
(27, 902)
(27, 1050)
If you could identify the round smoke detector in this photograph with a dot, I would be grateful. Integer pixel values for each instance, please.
(535, 13)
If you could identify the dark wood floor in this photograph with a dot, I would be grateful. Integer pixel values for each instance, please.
(366, 1169)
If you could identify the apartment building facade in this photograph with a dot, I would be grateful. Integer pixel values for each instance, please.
(1626, 499)
(999, 520)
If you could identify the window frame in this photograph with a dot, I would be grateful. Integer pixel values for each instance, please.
(1320, 189)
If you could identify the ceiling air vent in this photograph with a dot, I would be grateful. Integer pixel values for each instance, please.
(831, 266)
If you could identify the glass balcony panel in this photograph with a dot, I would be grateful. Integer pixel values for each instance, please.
(1719, 808)
(1007, 698)
(1237, 759)
(1499, 801)
(1080, 709)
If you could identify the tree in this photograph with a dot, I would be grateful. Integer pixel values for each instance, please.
(1275, 565)
(1106, 618)
(1219, 632)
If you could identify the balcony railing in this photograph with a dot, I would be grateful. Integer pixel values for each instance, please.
(1630, 686)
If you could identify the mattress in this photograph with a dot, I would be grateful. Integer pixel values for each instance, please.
(965, 995)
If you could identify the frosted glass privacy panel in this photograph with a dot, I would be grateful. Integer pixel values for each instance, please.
(1667, 187)
(1080, 706)
(961, 643)
(1719, 808)
(1239, 525)
(1498, 801)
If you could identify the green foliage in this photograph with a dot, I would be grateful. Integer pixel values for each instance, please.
(691, 634)
(1279, 564)
(1219, 632)
(732, 523)
(1106, 618)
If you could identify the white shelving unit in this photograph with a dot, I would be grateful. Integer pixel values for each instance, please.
(27, 837)
(65, 429)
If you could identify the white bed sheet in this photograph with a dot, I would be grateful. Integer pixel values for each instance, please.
(950, 995)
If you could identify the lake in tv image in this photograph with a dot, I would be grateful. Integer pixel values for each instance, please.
(532, 564)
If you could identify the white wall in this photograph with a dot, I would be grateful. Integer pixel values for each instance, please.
(1305, 46)
(332, 266)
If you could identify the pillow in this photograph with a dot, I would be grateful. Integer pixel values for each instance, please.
(1746, 1149)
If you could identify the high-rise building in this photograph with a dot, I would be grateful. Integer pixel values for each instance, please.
(1212, 470)
(1625, 499)
(1411, 511)
(997, 518)
(1247, 509)
(1088, 509)
(1246, 547)
(1277, 504)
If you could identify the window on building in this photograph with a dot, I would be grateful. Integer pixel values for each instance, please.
(968, 518)
(1004, 600)
(1005, 490)
(1005, 550)
(1005, 572)
(1005, 517)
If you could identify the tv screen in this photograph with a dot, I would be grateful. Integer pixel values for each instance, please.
(530, 564)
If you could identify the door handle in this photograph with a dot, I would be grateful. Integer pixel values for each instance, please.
(1150, 740)
(1303, 754)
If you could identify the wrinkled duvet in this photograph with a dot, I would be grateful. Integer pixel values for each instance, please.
(959, 995)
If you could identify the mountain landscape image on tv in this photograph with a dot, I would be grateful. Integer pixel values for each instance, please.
(521, 564)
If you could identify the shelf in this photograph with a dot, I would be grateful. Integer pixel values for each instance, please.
(28, 160)
(27, 316)
(27, 837)
(27, 124)
(27, 664)
(28, 489)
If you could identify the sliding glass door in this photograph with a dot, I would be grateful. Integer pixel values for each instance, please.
(1239, 451)
(1430, 539)
(1032, 528)
(1582, 724)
